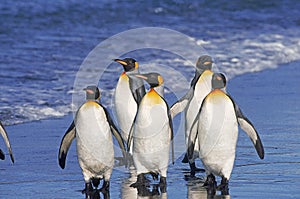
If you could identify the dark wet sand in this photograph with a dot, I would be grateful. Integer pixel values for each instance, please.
(270, 99)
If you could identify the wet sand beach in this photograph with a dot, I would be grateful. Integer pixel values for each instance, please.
(270, 99)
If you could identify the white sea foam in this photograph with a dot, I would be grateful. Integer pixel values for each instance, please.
(38, 78)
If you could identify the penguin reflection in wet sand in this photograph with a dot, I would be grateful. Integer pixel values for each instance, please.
(216, 128)
(92, 128)
(128, 94)
(7, 143)
(191, 102)
(152, 134)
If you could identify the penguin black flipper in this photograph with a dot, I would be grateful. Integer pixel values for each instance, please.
(249, 129)
(194, 133)
(115, 132)
(193, 136)
(195, 79)
(7, 143)
(2, 156)
(130, 135)
(65, 145)
(137, 88)
(181, 104)
(171, 129)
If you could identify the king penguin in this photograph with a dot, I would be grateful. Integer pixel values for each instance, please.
(191, 102)
(7, 143)
(93, 129)
(216, 129)
(128, 94)
(152, 134)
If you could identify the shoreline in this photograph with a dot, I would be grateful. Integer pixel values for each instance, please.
(270, 99)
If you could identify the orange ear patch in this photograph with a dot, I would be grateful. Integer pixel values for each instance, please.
(160, 80)
(90, 91)
(207, 62)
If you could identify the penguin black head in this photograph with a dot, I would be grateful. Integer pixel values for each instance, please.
(218, 81)
(153, 79)
(204, 62)
(128, 64)
(92, 93)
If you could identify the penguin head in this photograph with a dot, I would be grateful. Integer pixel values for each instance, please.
(204, 63)
(129, 64)
(218, 81)
(92, 93)
(153, 79)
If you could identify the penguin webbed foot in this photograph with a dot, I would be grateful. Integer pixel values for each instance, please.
(153, 190)
(210, 181)
(140, 182)
(163, 181)
(211, 185)
(163, 184)
(95, 182)
(223, 187)
(105, 187)
(154, 175)
(88, 190)
(195, 169)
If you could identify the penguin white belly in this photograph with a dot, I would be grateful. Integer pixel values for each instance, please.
(125, 106)
(217, 135)
(94, 142)
(202, 88)
(151, 139)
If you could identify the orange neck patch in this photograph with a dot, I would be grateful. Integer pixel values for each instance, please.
(153, 97)
(124, 76)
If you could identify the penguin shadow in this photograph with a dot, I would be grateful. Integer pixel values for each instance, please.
(128, 192)
(196, 189)
(199, 191)
(97, 194)
(120, 161)
(152, 190)
(93, 192)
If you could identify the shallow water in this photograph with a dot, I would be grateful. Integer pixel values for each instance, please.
(270, 101)
(43, 45)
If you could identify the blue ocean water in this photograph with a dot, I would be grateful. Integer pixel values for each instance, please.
(43, 45)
